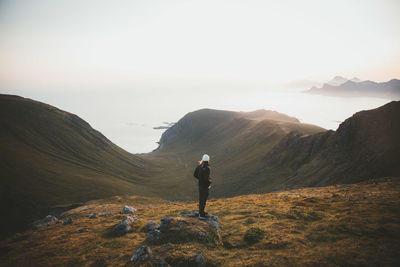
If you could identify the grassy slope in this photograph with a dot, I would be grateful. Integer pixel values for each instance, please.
(237, 143)
(53, 157)
(345, 225)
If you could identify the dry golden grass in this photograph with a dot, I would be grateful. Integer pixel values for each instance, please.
(343, 225)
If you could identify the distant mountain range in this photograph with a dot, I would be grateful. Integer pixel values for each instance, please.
(51, 157)
(339, 80)
(343, 87)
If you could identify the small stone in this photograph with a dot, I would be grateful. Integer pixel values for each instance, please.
(128, 209)
(104, 214)
(200, 260)
(202, 235)
(68, 221)
(151, 226)
(82, 230)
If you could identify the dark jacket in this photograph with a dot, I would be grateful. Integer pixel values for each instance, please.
(202, 173)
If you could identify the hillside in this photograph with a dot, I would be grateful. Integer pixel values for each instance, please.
(350, 88)
(341, 225)
(51, 157)
(365, 145)
(236, 141)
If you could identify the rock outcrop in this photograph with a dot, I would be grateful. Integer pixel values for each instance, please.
(151, 226)
(186, 227)
(48, 220)
(128, 210)
(124, 226)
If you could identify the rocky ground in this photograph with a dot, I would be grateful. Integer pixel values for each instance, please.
(342, 225)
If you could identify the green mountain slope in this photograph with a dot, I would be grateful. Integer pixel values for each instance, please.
(50, 157)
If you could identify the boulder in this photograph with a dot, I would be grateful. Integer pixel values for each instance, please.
(165, 223)
(181, 230)
(144, 254)
(200, 260)
(128, 210)
(153, 236)
(151, 226)
(48, 220)
(124, 226)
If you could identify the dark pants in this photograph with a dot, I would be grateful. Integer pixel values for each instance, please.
(203, 195)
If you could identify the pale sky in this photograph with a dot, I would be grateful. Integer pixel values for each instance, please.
(85, 44)
(126, 62)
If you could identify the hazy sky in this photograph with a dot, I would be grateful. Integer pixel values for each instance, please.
(124, 65)
(85, 44)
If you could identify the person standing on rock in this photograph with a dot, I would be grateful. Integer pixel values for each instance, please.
(202, 173)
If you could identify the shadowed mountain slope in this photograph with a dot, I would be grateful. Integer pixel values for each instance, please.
(367, 145)
(51, 157)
